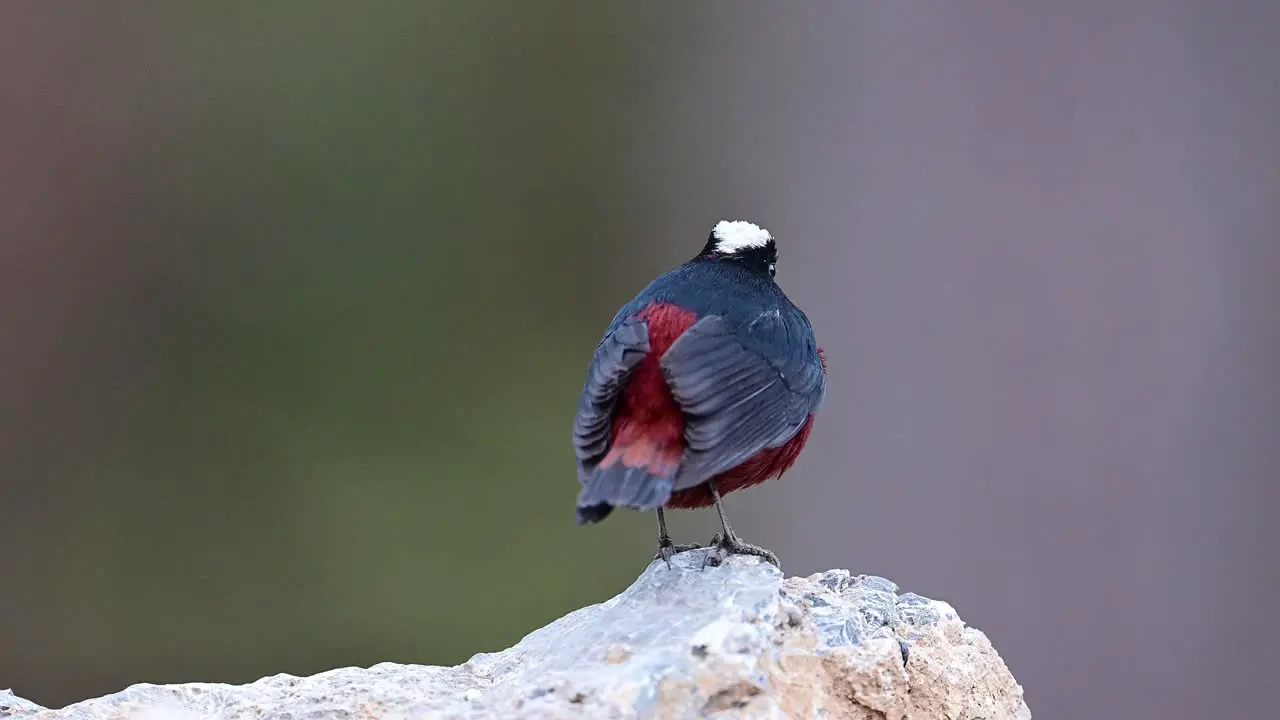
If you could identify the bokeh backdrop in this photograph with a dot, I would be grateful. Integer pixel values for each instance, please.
(296, 300)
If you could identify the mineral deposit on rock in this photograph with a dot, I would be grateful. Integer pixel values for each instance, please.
(735, 641)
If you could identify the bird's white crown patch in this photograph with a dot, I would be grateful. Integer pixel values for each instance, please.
(733, 236)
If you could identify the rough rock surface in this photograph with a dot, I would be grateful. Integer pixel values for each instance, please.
(735, 641)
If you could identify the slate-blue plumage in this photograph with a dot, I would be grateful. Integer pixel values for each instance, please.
(742, 376)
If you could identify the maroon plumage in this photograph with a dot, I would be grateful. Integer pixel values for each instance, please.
(706, 383)
(648, 426)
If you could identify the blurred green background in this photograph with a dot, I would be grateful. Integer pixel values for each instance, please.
(337, 273)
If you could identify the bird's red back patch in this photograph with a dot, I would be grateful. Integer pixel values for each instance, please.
(648, 425)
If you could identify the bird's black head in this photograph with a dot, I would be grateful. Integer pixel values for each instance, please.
(742, 242)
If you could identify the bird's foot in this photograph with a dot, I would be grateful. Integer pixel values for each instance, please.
(724, 546)
(668, 550)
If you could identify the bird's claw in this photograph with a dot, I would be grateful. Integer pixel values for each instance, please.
(668, 550)
(724, 546)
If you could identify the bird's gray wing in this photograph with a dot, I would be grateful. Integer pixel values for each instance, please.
(616, 356)
(741, 391)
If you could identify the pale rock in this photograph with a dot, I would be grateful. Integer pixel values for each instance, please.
(735, 641)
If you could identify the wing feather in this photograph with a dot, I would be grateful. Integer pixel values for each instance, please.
(615, 357)
(739, 397)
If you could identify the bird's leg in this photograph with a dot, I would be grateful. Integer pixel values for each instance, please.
(729, 543)
(666, 548)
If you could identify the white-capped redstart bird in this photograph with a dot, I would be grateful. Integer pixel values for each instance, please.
(707, 382)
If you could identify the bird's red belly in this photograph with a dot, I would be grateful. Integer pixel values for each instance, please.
(648, 425)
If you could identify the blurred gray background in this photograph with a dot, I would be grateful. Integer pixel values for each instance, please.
(296, 301)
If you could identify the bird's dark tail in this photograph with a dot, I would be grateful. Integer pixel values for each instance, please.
(639, 477)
